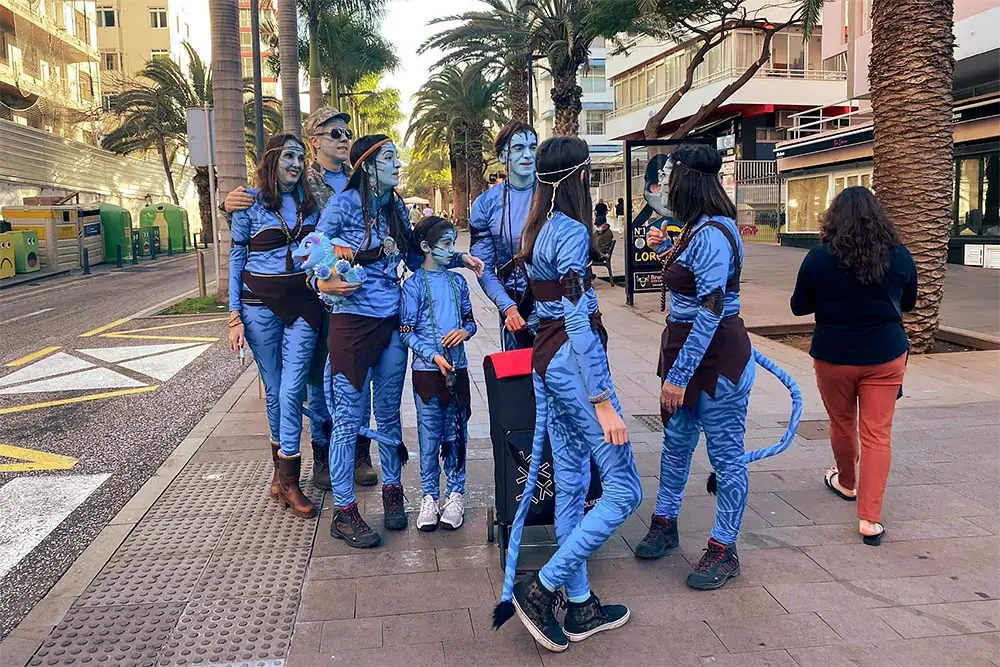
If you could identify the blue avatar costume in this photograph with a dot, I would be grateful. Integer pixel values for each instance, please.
(280, 315)
(434, 303)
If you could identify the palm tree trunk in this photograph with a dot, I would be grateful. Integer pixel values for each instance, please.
(230, 134)
(315, 72)
(288, 50)
(204, 202)
(566, 96)
(334, 91)
(912, 63)
(460, 192)
(161, 148)
(517, 93)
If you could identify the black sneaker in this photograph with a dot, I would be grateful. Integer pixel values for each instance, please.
(321, 466)
(348, 525)
(719, 564)
(584, 619)
(662, 537)
(535, 607)
(392, 504)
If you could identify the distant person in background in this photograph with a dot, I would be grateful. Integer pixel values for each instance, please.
(428, 211)
(604, 238)
(620, 208)
(600, 213)
(857, 283)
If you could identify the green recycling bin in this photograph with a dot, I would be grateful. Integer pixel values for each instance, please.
(172, 221)
(146, 238)
(117, 230)
(26, 259)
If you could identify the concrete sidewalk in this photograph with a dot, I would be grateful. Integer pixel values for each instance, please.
(213, 572)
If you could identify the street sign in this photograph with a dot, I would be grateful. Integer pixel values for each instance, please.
(201, 134)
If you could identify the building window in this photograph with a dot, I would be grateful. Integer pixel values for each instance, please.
(111, 61)
(159, 53)
(977, 195)
(244, 18)
(247, 66)
(808, 199)
(108, 101)
(157, 17)
(86, 87)
(106, 17)
(3, 47)
(594, 80)
(245, 41)
(593, 122)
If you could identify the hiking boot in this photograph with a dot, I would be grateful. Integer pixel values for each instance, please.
(275, 483)
(718, 565)
(535, 606)
(584, 619)
(289, 491)
(392, 504)
(321, 466)
(662, 537)
(453, 512)
(428, 518)
(364, 473)
(348, 525)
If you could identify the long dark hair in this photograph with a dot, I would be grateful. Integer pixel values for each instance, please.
(860, 234)
(266, 177)
(556, 159)
(366, 186)
(694, 188)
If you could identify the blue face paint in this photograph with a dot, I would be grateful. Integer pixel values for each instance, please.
(444, 249)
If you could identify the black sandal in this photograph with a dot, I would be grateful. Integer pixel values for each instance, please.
(828, 480)
(874, 540)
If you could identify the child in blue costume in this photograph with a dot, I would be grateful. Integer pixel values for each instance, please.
(369, 224)
(495, 226)
(575, 405)
(272, 308)
(707, 364)
(435, 320)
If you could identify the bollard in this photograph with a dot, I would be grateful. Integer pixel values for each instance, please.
(118, 256)
(152, 247)
(135, 253)
(184, 243)
(202, 290)
(170, 247)
(194, 236)
(86, 262)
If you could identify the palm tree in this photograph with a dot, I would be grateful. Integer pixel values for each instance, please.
(350, 48)
(288, 48)
(912, 63)
(368, 11)
(374, 109)
(457, 107)
(499, 39)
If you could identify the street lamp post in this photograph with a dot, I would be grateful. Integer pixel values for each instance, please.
(258, 95)
(531, 91)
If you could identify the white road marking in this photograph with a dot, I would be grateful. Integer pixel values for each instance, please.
(24, 317)
(116, 354)
(32, 507)
(60, 362)
(96, 378)
(165, 366)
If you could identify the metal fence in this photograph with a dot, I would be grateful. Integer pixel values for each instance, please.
(758, 200)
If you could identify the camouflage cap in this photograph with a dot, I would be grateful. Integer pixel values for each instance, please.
(321, 116)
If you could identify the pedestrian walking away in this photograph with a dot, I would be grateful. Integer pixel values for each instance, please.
(270, 307)
(435, 321)
(368, 224)
(707, 366)
(858, 283)
(495, 226)
(575, 406)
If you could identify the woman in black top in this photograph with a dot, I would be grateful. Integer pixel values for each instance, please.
(858, 283)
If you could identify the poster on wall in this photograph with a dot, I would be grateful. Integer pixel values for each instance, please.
(644, 165)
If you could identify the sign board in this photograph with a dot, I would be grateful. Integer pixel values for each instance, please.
(644, 161)
(974, 254)
(201, 135)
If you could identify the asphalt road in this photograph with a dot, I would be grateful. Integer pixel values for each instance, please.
(114, 403)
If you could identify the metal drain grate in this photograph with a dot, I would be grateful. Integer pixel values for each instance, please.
(232, 575)
(126, 635)
(652, 422)
(129, 581)
(231, 632)
(815, 429)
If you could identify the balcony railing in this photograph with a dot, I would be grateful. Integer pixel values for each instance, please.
(29, 11)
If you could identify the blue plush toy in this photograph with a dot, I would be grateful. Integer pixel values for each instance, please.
(317, 257)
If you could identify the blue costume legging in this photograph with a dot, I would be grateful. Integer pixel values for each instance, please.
(570, 419)
(723, 418)
(435, 425)
(283, 355)
(320, 423)
(350, 407)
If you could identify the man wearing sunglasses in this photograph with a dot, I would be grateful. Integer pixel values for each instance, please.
(327, 133)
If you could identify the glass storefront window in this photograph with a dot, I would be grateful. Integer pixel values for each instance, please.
(977, 195)
(808, 198)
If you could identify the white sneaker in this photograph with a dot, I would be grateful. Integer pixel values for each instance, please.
(428, 518)
(453, 512)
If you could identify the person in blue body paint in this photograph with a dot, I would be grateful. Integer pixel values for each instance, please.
(270, 306)
(495, 226)
(706, 360)
(369, 224)
(435, 320)
(575, 405)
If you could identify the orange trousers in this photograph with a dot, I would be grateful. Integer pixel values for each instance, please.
(861, 400)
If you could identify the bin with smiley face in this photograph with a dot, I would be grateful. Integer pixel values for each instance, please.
(6, 255)
(26, 257)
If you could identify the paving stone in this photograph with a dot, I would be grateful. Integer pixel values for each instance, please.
(855, 655)
(761, 567)
(307, 636)
(523, 652)
(351, 635)
(138, 581)
(463, 558)
(971, 585)
(180, 535)
(776, 511)
(423, 591)
(424, 627)
(990, 523)
(268, 529)
(985, 495)
(773, 632)
(951, 618)
(632, 577)
(859, 625)
(253, 575)
(903, 559)
(421, 655)
(328, 600)
(679, 643)
(373, 563)
(687, 605)
(759, 659)
(825, 596)
(958, 651)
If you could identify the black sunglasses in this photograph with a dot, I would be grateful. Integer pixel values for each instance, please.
(339, 133)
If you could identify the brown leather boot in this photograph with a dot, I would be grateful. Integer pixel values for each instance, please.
(289, 491)
(275, 448)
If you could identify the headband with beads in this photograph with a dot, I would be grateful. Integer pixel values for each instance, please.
(555, 184)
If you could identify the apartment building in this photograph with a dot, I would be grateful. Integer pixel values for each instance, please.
(49, 66)
(833, 149)
(130, 33)
(268, 32)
